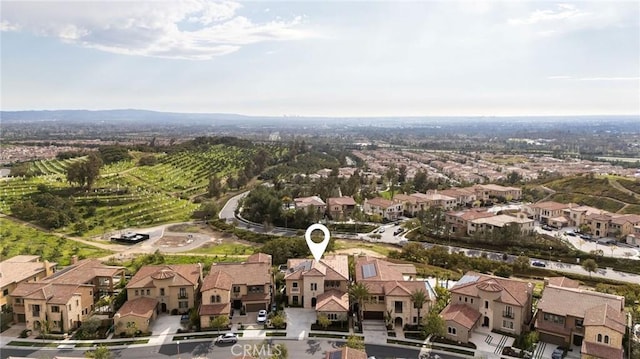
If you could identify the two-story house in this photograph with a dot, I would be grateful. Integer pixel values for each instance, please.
(390, 288)
(487, 224)
(340, 207)
(313, 204)
(412, 204)
(21, 269)
(458, 221)
(100, 279)
(322, 285)
(174, 285)
(387, 209)
(548, 211)
(590, 320)
(488, 301)
(244, 286)
(62, 306)
(487, 191)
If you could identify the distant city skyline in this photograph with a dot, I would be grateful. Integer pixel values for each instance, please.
(337, 59)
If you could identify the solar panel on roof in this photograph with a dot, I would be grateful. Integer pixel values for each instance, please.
(368, 270)
(335, 355)
(468, 279)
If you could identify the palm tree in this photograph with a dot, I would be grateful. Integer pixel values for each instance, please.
(359, 292)
(418, 297)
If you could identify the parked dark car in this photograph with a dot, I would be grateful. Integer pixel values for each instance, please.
(538, 264)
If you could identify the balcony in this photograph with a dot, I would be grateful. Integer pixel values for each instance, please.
(295, 290)
(183, 296)
(509, 315)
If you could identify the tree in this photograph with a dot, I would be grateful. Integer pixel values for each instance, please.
(324, 321)
(85, 173)
(359, 292)
(433, 324)
(219, 322)
(504, 271)
(101, 352)
(590, 266)
(215, 187)
(355, 342)
(278, 321)
(521, 264)
(418, 297)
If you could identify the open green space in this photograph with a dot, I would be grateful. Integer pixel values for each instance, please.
(18, 239)
(225, 248)
(592, 186)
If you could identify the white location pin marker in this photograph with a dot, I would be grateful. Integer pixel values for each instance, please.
(317, 249)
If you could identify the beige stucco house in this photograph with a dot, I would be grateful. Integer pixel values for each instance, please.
(136, 314)
(21, 269)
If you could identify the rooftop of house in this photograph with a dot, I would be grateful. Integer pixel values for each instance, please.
(20, 268)
(375, 269)
(470, 215)
(461, 314)
(341, 201)
(215, 309)
(346, 353)
(501, 220)
(217, 279)
(333, 300)
(248, 273)
(380, 202)
(259, 258)
(84, 271)
(433, 197)
(597, 350)
(607, 316)
(630, 218)
(334, 267)
(550, 205)
(309, 201)
(495, 187)
(53, 293)
(584, 209)
(512, 291)
(176, 274)
(456, 192)
(575, 302)
(408, 198)
(140, 307)
(562, 282)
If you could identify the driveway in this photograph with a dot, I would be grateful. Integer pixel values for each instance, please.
(374, 331)
(299, 322)
(164, 327)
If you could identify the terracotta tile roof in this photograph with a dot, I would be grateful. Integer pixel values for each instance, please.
(246, 273)
(575, 302)
(380, 202)
(217, 279)
(405, 198)
(549, 326)
(19, 268)
(470, 214)
(461, 314)
(381, 270)
(215, 309)
(495, 187)
(550, 205)
(335, 267)
(513, 292)
(179, 274)
(259, 258)
(562, 282)
(600, 351)
(303, 202)
(346, 353)
(631, 218)
(332, 301)
(84, 271)
(456, 192)
(607, 316)
(140, 307)
(53, 293)
(256, 297)
(341, 201)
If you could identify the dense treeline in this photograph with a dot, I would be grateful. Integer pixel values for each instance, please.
(46, 209)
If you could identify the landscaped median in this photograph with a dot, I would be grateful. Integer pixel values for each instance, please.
(433, 346)
(49, 344)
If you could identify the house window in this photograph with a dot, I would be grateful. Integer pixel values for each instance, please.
(415, 320)
(465, 299)
(236, 289)
(459, 299)
(599, 338)
(606, 339)
(182, 293)
(332, 316)
(5, 292)
(162, 291)
(553, 318)
(18, 301)
(452, 330)
(148, 291)
(579, 323)
(380, 298)
(137, 293)
(183, 304)
(507, 324)
(486, 304)
(314, 286)
(471, 300)
(295, 300)
(398, 306)
(77, 303)
(55, 309)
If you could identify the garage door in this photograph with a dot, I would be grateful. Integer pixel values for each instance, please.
(553, 339)
(373, 315)
(256, 307)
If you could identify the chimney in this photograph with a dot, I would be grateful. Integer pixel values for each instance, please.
(74, 259)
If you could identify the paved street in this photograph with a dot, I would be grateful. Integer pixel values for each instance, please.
(618, 251)
(303, 349)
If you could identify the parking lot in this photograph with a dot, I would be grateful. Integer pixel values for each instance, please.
(620, 251)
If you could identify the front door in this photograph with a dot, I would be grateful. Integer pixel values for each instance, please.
(313, 302)
(164, 307)
(485, 322)
(577, 340)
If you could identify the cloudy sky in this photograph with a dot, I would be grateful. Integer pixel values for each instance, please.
(323, 58)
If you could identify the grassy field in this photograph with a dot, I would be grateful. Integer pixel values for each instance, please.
(633, 186)
(592, 186)
(598, 202)
(19, 239)
(225, 248)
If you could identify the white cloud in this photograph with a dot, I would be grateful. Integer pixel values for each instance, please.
(561, 77)
(181, 29)
(562, 12)
(601, 78)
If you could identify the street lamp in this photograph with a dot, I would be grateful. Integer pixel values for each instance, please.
(550, 251)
